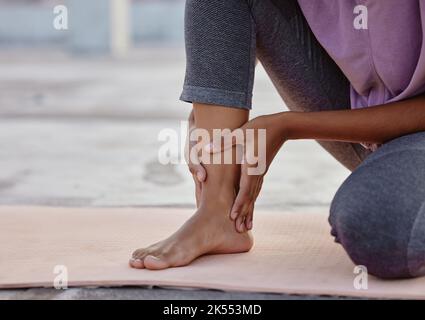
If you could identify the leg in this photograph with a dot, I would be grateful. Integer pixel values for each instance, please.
(303, 73)
(220, 70)
(209, 230)
(378, 214)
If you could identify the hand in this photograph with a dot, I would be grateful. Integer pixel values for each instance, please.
(197, 170)
(258, 151)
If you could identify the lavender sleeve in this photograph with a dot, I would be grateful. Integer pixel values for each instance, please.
(384, 59)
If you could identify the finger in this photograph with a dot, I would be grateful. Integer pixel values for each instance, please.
(192, 154)
(243, 212)
(226, 142)
(192, 147)
(247, 210)
(201, 173)
(198, 171)
(247, 188)
(240, 224)
(249, 218)
(237, 206)
(198, 190)
(240, 206)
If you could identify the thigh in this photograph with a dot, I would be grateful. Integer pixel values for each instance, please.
(378, 214)
(305, 76)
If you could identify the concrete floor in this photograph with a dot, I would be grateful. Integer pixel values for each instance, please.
(128, 293)
(83, 131)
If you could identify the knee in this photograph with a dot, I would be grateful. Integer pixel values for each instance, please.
(377, 230)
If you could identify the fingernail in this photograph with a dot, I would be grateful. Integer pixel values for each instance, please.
(241, 226)
(200, 176)
(233, 215)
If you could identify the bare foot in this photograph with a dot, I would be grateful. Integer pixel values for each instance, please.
(208, 231)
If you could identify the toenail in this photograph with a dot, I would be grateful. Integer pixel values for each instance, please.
(155, 258)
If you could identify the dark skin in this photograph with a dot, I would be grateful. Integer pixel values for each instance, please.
(229, 189)
(376, 125)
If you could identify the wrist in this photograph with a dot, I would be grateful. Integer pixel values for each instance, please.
(286, 124)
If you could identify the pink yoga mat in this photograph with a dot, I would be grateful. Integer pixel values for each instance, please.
(293, 253)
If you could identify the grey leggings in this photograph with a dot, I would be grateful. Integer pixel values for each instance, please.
(378, 214)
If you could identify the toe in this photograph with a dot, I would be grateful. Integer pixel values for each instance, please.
(156, 263)
(138, 254)
(137, 258)
(136, 263)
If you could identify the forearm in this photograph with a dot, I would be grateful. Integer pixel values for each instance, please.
(373, 125)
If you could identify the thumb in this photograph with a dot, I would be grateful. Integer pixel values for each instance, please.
(201, 173)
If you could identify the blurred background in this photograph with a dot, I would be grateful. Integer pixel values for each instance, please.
(83, 96)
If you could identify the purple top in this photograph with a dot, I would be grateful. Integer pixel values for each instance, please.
(377, 44)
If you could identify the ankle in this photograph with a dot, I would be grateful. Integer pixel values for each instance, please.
(218, 202)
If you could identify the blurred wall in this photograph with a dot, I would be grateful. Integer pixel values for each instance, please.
(28, 23)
